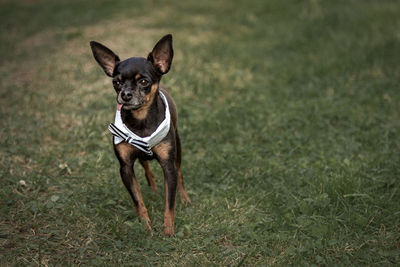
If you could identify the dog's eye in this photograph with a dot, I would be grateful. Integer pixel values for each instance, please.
(117, 82)
(144, 82)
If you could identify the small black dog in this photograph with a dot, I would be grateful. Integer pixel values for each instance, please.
(145, 126)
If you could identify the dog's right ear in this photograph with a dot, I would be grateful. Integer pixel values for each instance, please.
(105, 57)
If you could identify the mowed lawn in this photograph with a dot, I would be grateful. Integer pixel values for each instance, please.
(289, 115)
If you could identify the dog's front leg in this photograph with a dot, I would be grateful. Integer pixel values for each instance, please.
(166, 157)
(130, 182)
(170, 184)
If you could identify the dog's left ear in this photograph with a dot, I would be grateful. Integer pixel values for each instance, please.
(162, 54)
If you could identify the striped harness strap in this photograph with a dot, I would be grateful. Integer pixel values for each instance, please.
(139, 144)
(122, 133)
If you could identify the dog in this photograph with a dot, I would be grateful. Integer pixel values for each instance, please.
(145, 125)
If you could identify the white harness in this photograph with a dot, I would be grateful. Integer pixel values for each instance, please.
(122, 133)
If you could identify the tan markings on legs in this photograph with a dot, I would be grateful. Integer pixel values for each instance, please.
(169, 214)
(162, 150)
(181, 188)
(149, 175)
(141, 113)
(124, 150)
(141, 208)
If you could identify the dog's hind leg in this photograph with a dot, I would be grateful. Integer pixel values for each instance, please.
(181, 187)
(149, 175)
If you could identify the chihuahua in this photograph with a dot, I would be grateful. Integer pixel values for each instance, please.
(145, 125)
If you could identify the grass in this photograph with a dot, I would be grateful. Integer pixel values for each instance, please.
(289, 119)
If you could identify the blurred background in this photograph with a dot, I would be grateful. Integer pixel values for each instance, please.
(288, 115)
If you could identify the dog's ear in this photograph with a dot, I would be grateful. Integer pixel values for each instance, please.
(105, 57)
(162, 54)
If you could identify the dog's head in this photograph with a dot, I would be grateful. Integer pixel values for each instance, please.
(135, 79)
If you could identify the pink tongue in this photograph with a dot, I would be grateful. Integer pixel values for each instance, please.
(119, 106)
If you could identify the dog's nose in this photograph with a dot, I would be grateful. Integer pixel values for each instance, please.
(126, 95)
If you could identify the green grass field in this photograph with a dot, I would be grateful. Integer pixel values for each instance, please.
(289, 120)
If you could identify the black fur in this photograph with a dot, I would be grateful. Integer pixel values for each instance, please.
(137, 84)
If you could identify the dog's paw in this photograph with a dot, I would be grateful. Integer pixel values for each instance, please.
(185, 198)
(169, 231)
(148, 227)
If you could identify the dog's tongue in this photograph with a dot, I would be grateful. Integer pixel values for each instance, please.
(119, 106)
